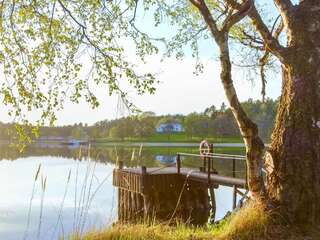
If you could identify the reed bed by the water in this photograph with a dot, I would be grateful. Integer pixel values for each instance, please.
(84, 193)
(85, 190)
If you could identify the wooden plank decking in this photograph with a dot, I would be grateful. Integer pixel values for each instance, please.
(192, 174)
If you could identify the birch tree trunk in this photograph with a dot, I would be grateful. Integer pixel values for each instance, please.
(249, 130)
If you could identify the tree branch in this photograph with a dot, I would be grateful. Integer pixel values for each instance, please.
(132, 23)
(205, 12)
(266, 58)
(286, 10)
(238, 16)
(271, 43)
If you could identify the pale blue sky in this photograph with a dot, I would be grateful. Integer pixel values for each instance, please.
(180, 91)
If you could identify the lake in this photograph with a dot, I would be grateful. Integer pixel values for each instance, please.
(49, 191)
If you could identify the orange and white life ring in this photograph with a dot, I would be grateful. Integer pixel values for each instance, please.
(204, 148)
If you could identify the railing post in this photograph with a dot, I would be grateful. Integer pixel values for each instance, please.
(143, 170)
(178, 163)
(211, 154)
(209, 169)
(143, 180)
(120, 166)
(234, 167)
(234, 205)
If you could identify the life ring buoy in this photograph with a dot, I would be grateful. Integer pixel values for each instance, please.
(204, 148)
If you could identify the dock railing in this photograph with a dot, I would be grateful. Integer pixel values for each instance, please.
(208, 161)
(207, 166)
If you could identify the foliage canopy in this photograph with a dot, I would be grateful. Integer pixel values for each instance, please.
(52, 51)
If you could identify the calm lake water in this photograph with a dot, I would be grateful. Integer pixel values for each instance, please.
(78, 193)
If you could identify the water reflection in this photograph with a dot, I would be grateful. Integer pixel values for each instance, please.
(90, 199)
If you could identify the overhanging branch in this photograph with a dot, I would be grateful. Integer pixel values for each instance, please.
(205, 12)
(266, 58)
(271, 43)
(243, 10)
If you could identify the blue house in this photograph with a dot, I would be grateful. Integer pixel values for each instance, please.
(170, 127)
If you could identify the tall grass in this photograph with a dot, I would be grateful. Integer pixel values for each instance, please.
(84, 200)
(249, 223)
(30, 202)
(59, 220)
(85, 191)
(43, 190)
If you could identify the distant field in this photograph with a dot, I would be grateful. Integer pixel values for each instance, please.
(175, 137)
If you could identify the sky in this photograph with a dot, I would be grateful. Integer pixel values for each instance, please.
(179, 91)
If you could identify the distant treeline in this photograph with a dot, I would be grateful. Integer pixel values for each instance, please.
(212, 121)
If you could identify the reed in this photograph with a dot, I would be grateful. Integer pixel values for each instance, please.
(86, 206)
(30, 202)
(76, 190)
(59, 219)
(83, 192)
(87, 194)
(43, 190)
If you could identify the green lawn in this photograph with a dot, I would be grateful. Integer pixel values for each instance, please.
(175, 137)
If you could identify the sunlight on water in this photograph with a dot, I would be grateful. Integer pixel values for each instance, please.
(16, 179)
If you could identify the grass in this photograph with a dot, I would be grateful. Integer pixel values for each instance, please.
(144, 232)
(249, 222)
(252, 222)
(175, 137)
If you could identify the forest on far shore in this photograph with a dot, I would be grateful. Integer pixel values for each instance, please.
(212, 122)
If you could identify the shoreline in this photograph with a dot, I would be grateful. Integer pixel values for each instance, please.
(167, 144)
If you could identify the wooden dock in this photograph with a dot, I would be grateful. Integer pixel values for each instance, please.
(190, 173)
(172, 192)
(161, 194)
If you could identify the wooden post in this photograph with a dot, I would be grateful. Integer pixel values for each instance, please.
(211, 155)
(209, 169)
(120, 165)
(119, 205)
(146, 200)
(143, 179)
(146, 208)
(234, 205)
(233, 167)
(178, 163)
(213, 205)
(124, 202)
